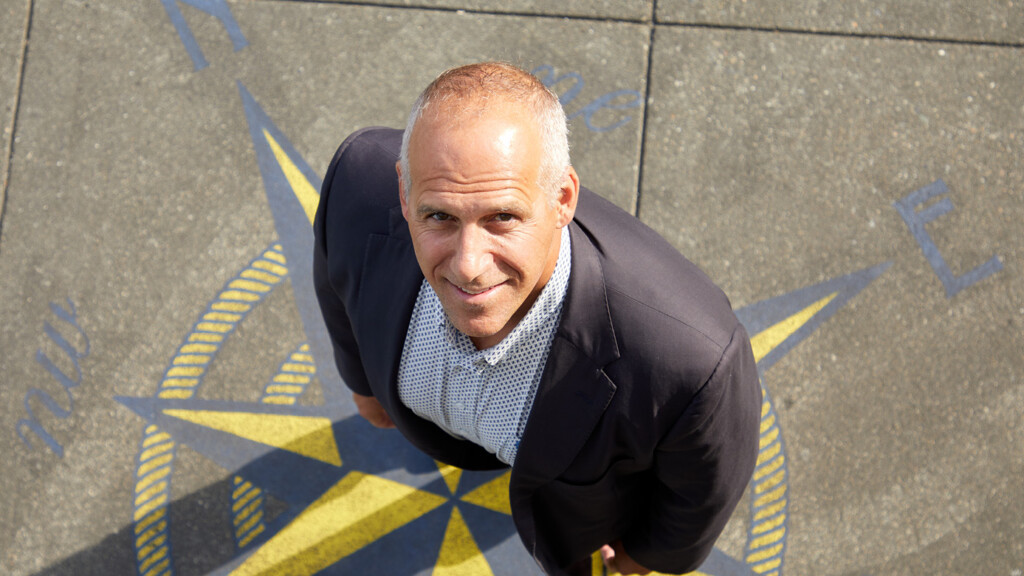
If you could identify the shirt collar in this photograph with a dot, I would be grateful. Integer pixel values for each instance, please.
(548, 304)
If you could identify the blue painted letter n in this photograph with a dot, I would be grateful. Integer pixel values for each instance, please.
(216, 8)
(915, 220)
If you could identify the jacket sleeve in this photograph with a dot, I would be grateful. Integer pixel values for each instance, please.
(332, 306)
(702, 466)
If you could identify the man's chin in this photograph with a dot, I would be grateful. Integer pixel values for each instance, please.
(478, 330)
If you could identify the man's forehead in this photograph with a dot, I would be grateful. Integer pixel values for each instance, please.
(495, 132)
(468, 112)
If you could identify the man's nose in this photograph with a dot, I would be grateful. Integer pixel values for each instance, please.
(470, 259)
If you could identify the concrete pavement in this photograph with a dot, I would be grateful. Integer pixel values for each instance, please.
(852, 175)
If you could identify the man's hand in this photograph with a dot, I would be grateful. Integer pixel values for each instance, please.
(371, 409)
(618, 561)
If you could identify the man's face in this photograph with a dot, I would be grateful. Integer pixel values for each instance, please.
(485, 235)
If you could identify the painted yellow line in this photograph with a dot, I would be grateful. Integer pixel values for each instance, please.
(148, 535)
(148, 519)
(147, 466)
(261, 276)
(191, 359)
(299, 368)
(186, 371)
(239, 307)
(160, 567)
(770, 510)
(222, 317)
(205, 337)
(153, 559)
(770, 497)
(768, 438)
(159, 449)
(254, 519)
(246, 512)
(764, 567)
(770, 524)
(245, 500)
(292, 378)
(771, 482)
(242, 486)
(239, 295)
(251, 535)
(769, 467)
(150, 479)
(141, 511)
(270, 267)
(769, 453)
(218, 327)
(198, 348)
(764, 554)
(155, 439)
(280, 400)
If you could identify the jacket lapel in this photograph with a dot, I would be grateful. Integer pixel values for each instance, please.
(391, 279)
(574, 391)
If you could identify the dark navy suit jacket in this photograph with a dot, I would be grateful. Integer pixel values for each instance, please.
(645, 423)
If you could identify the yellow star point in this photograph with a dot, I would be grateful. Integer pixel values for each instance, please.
(304, 191)
(451, 475)
(357, 511)
(308, 436)
(770, 338)
(460, 556)
(492, 495)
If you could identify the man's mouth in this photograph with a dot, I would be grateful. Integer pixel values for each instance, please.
(475, 290)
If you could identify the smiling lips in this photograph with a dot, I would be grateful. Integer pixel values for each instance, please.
(473, 292)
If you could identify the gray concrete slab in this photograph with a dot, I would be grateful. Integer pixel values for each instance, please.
(13, 22)
(774, 162)
(136, 195)
(639, 10)
(160, 150)
(981, 21)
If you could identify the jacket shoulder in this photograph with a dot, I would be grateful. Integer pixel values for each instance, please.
(649, 279)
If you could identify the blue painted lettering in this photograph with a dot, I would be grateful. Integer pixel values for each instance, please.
(617, 100)
(608, 102)
(31, 423)
(216, 8)
(907, 207)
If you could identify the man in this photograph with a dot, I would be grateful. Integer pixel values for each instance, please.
(498, 314)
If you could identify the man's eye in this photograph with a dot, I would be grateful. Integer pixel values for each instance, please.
(504, 217)
(440, 217)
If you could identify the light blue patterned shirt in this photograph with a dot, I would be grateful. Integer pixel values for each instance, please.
(484, 396)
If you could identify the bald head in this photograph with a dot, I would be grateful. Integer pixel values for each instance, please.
(467, 93)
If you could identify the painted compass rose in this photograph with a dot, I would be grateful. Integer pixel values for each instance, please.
(361, 500)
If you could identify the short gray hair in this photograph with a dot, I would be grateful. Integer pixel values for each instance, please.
(478, 83)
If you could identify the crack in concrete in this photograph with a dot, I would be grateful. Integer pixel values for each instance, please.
(9, 143)
(645, 119)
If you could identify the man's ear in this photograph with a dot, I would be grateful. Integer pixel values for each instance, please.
(401, 191)
(568, 196)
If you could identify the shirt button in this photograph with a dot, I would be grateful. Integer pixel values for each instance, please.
(460, 406)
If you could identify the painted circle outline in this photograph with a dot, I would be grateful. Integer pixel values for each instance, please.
(768, 492)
